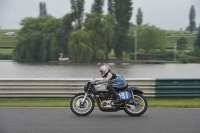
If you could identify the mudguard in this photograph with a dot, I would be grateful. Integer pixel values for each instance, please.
(135, 89)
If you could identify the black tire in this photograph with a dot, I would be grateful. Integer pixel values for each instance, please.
(84, 109)
(140, 106)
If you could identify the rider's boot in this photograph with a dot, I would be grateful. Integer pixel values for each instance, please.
(118, 100)
(114, 92)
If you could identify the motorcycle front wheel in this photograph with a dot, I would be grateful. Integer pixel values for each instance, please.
(136, 106)
(80, 108)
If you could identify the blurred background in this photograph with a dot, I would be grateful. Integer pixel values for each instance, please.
(133, 36)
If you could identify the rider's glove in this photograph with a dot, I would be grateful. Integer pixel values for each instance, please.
(96, 83)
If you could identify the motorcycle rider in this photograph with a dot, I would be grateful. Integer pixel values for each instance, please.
(114, 80)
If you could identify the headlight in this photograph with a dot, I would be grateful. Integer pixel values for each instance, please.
(86, 86)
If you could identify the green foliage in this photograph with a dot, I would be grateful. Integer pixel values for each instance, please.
(169, 55)
(111, 7)
(65, 102)
(193, 59)
(181, 43)
(101, 29)
(184, 58)
(192, 19)
(98, 6)
(5, 56)
(197, 42)
(64, 32)
(77, 7)
(80, 46)
(43, 10)
(149, 37)
(139, 17)
(42, 38)
(129, 46)
(29, 38)
(197, 46)
(123, 12)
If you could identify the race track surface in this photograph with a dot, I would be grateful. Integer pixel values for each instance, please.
(62, 120)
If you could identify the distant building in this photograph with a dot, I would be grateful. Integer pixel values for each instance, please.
(195, 32)
(9, 33)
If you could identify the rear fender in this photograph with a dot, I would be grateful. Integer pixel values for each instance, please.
(135, 89)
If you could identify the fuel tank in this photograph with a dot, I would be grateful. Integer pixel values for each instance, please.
(101, 87)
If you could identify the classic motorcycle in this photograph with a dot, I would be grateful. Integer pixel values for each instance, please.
(133, 102)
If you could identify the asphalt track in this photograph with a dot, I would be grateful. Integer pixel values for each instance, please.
(62, 120)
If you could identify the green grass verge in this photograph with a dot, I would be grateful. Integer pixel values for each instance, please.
(6, 51)
(34, 102)
(174, 102)
(64, 102)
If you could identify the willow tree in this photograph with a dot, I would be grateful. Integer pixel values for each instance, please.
(101, 28)
(30, 38)
(38, 39)
(80, 46)
(49, 49)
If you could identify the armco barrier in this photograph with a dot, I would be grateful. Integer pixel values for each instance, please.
(59, 87)
(69, 87)
(177, 88)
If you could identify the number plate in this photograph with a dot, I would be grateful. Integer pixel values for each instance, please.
(125, 95)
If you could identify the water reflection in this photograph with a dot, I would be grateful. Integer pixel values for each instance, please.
(12, 69)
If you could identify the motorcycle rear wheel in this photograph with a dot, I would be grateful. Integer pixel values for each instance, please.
(138, 106)
(79, 108)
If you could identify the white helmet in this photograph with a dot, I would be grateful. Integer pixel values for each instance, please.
(104, 70)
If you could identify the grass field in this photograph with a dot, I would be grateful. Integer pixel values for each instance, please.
(6, 51)
(8, 38)
(64, 102)
(7, 43)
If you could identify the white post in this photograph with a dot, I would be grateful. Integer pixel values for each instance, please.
(135, 55)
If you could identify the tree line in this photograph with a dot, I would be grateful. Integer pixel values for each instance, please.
(42, 38)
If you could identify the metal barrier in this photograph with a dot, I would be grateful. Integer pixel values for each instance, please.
(69, 87)
(177, 88)
(59, 87)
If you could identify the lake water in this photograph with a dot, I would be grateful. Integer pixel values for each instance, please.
(12, 69)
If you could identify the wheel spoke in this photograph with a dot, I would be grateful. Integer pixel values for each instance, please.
(137, 105)
(82, 107)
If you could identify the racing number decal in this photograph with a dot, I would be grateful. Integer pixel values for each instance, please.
(125, 95)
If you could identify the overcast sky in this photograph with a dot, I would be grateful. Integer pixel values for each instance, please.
(165, 14)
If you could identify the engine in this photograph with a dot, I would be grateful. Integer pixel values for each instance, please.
(107, 104)
(104, 96)
(106, 99)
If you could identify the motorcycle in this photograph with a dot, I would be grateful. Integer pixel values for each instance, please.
(133, 102)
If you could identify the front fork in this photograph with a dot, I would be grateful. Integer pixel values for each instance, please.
(84, 98)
